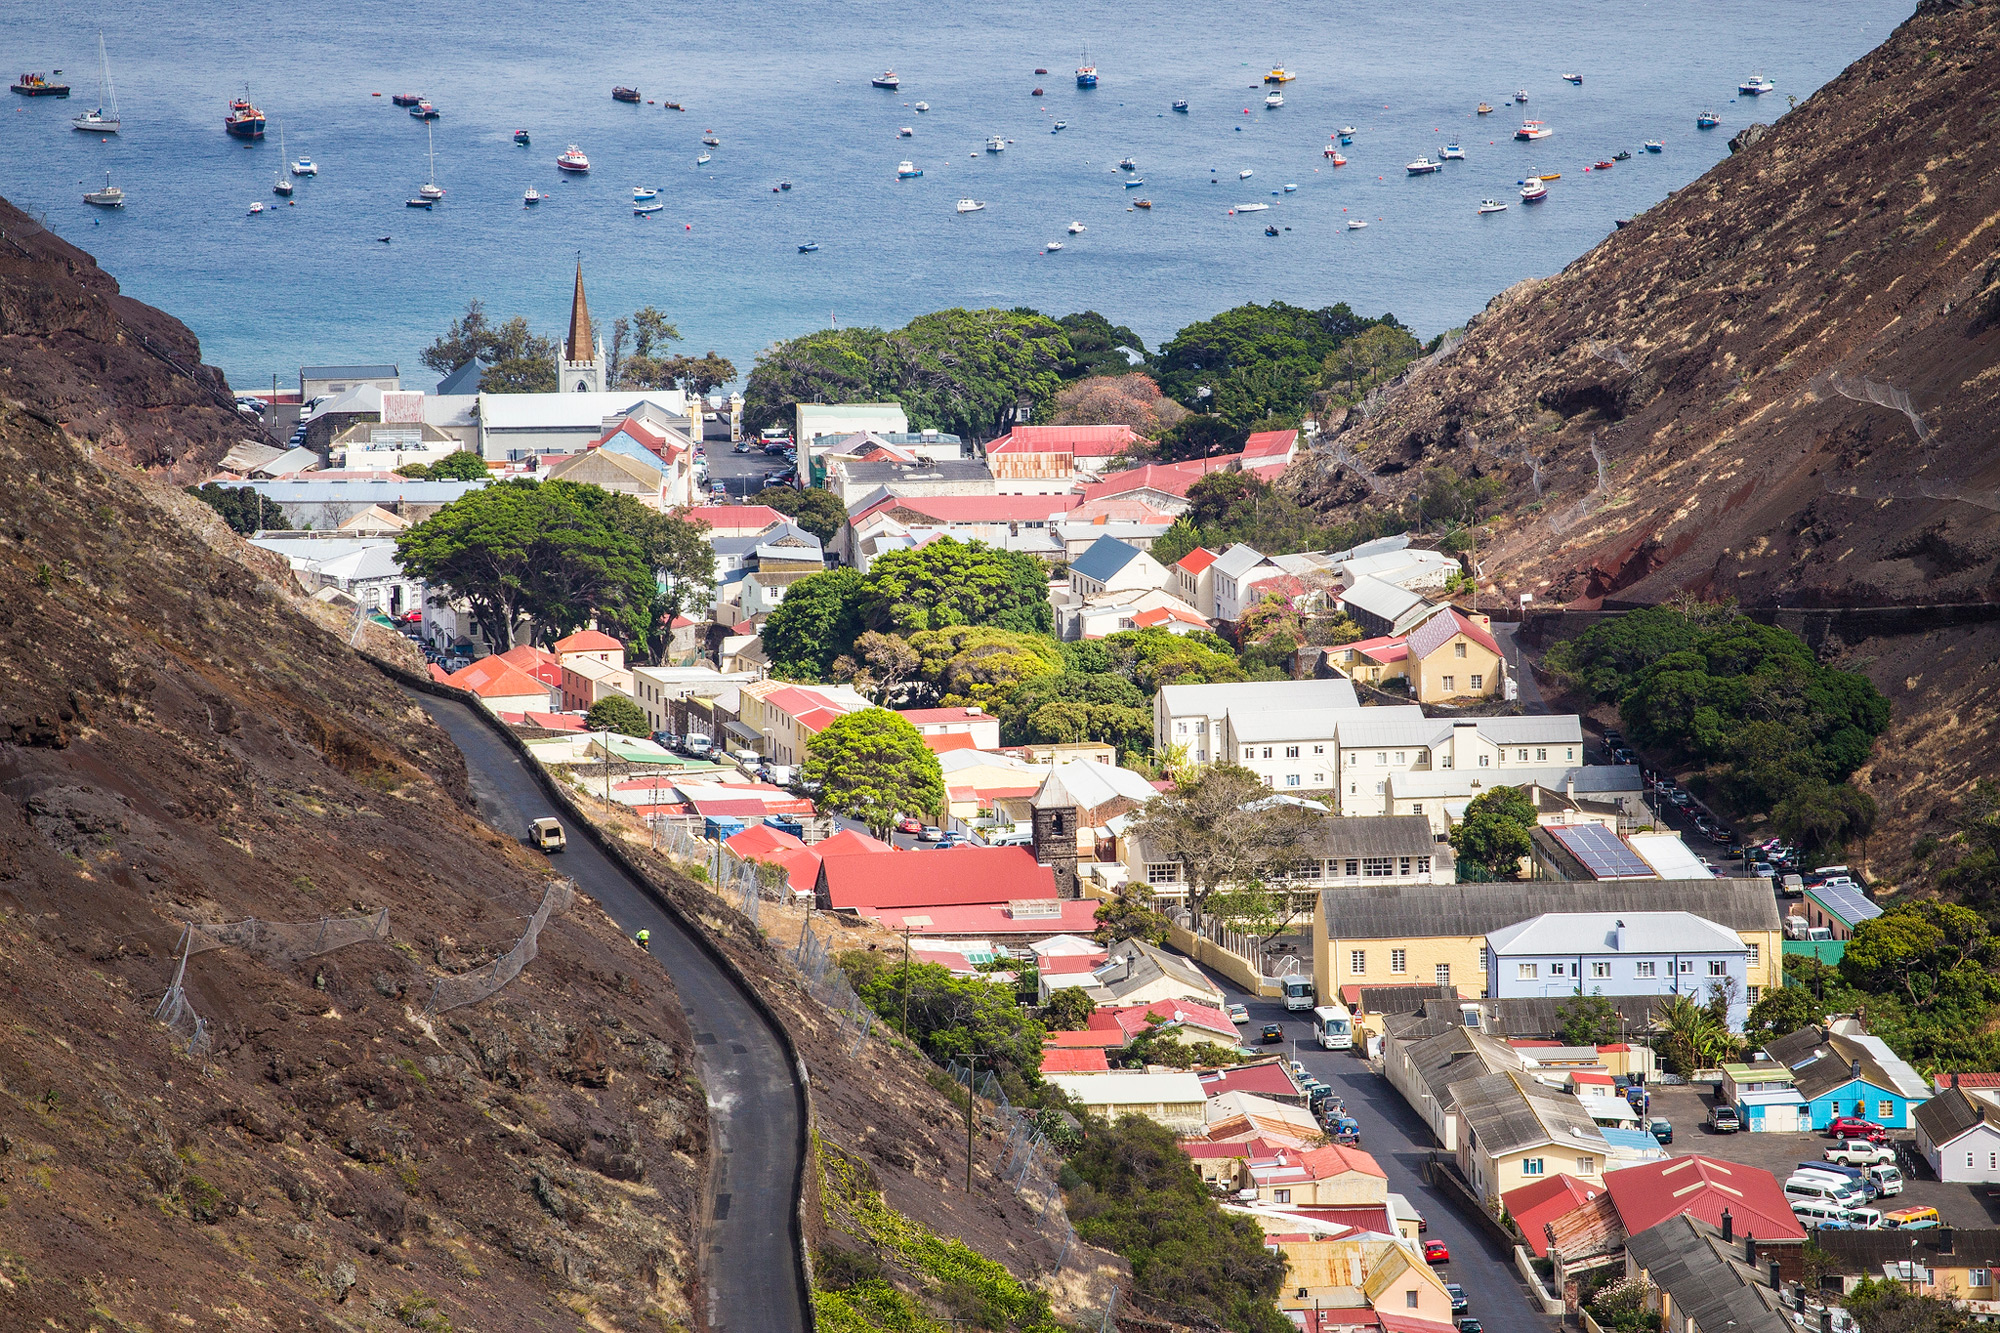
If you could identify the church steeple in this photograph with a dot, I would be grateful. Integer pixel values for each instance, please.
(580, 345)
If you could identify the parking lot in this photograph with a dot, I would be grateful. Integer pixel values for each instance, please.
(742, 474)
(1687, 1108)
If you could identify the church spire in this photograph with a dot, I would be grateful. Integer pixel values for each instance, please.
(581, 345)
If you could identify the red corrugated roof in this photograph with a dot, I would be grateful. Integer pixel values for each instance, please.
(849, 841)
(1362, 1217)
(1070, 964)
(761, 838)
(554, 721)
(918, 717)
(1650, 1193)
(491, 678)
(589, 641)
(1085, 1060)
(1133, 1018)
(959, 877)
(1267, 1079)
(1403, 1323)
(1168, 478)
(956, 741)
(1111, 1040)
(543, 666)
(1079, 917)
(1080, 441)
(986, 508)
(1943, 1081)
(1269, 443)
(1198, 559)
(1535, 1205)
(1162, 614)
(744, 518)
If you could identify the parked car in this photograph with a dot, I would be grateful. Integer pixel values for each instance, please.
(930, 833)
(1724, 1120)
(1662, 1129)
(1436, 1252)
(742, 447)
(1860, 1152)
(1911, 1219)
(1468, 1326)
(1271, 1034)
(1851, 1127)
(1239, 1013)
(1459, 1305)
(908, 825)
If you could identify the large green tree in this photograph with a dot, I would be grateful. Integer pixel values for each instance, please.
(978, 664)
(1223, 831)
(947, 1016)
(1493, 837)
(676, 550)
(652, 364)
(242, 508)
(819, 512)
(948, 582)
(1153, 657)
(1257, 361)
(1099, 347)
(816, 624)
(1071, 706)
(874, 767)
(516, 359)
(616, 713)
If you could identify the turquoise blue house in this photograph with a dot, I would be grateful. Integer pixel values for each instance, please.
(1850, 1074)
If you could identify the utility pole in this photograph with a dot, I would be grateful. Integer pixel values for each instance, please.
(971, 1100)
(906, 981)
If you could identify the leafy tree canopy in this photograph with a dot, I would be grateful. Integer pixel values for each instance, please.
(978, 664)
(242, 508)
(1113, 399)
(1371, 357)
(948, 1016)
(1589, 1020)
(616, 713)
(949, 582)
(1257, 361)
(1129, 914)
(516, 360)
(1152, 657)
(818, 621)
(1068, 1010)
(819, 512)
(874, 767)
(1099, 347)
(1070, 706)
(1222, 831)
(1493, 837)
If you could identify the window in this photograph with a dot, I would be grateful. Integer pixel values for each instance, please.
(1979, 1277)
(1418, 809)
(1558, 969)
(1483, 759)
(1381, 789)
(1485, 960)
(1291, 752)
(1751, 993)
(1353, 759)
(1458, 649)
(1381, 756)
(1281, 1196)
(1353, 867)
(1423, 756)
(1478, 682)
(1570, 753)
(1399, 960)
(1586, 1166)
(1319, 779)
(1541, 756)
(1201, 756)
(1524, 756)
(1531, 1166)
(1717, 968)
(1527, 971)
(1423, 862)
(1410, 1296)
(1267, 752)
(1443, 974)
(1291, 779)
(1451, 682)
(1399, 758)
(1403, 865)
(1319, 749)
(1687, 966)
(1884, 1111)
(1357, 962)
(1646, 970)
(1968, 1161)
(1201, 726)
(1756, 952)
(1445, 762)
(1180, 728)
(1600, 970)
(1163, 872)
(1378, 867)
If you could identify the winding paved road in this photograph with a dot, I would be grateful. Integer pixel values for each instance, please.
(755, 1107)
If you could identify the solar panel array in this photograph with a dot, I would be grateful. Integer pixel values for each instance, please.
(1601, 852)
(1846, 902)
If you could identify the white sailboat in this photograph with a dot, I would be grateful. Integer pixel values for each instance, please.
(429, 189)
(103, 119)
(282, 186)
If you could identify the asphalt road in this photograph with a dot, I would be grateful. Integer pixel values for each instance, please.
(1399, 1140)
(743, 474)
(754, 1104)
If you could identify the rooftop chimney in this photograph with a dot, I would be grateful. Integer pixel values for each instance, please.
(1728, 1227)
(1854, 1069)
(1618, 937)
(1954, 1080)
(1777, 1282)
(1750, 1249)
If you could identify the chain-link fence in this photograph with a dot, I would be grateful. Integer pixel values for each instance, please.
(270, 941)
(470, 987)
(1029, 1162)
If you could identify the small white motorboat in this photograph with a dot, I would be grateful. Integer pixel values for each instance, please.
(970, 205)
(531, 198)
(1245, 174)
(1451, 152)
(905, 131)
(923, 106)
(1128, 164)
(257, 207)
(572, 159)
(704, 159)
(647, 206)
(641, 194)
(305, 166)
(1423, 166)
(1274, 99)
(1492, 206)
(1053, 245)
(1252, 208)
(1291, 188)
(1355, 224)
(996, 144)
(1756, 85)
(1059, 127)
(1534, 192)
(108, 197)
(1074, 227)
(1521, 95)
(907, 170)
(1574, 78)
(1655, 146)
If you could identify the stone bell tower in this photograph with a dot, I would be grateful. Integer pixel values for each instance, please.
(580, 357)
(1056, 817)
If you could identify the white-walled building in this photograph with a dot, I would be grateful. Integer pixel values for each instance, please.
(1377, 743)
(1193, 715)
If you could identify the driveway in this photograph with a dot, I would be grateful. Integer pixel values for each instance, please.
(755, 1107)
(1531, 690)
(1399, 1140)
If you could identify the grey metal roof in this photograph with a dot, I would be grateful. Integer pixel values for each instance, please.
(1106, 556)
(1950, 1113)
(1604, 777)
(1381, 599)
(1597, 933)
(1533, 729)
(1403, 999)
(1286, 695)
(1458, 1055)
(1148, 964)
(1508, 1111)
(377, 372)
(1687, 1258)
(903, 474)
(1796, 1047)
(1376, 835)
(1417, 911)
(1237, 561)
(1262, 723)
(464, 380)
(1942, 1247)
(1541, 1016)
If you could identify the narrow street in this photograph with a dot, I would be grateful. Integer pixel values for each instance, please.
(1397, 1138)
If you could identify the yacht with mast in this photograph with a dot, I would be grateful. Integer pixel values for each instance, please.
(282, 186)
(430, 189)
(103, 118)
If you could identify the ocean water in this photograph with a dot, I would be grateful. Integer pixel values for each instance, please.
(786, 89)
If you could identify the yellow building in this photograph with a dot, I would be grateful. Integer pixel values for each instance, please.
(1454, 656)
(1325, 1272)
(1515, 1131)
(1435, 934)
(1329, 1177)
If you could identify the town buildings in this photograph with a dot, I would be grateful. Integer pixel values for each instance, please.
(1619, 953)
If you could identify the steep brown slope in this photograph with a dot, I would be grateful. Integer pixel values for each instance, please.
(1693, 405)
(180, 741)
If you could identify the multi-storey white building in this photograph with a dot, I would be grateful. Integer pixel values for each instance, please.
(1507, 751)
(1194, 715)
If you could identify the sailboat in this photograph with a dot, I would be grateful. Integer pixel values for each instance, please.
(429, 189)
(99, 120)
(282, 186)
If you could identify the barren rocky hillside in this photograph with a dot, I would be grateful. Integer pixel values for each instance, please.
(180, 742)
(1779, 386)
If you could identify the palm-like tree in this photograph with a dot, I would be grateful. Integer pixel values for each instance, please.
(1692, 1037)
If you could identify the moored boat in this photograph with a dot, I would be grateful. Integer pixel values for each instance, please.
(1134, 183)
(1534, 192)
(243, 121)
(886, 79)
(644, 193)
(258, 207)
(1602, 164)
(1492, 206)
(647, 206)
(1180, 104)
(1253, 208)
(1059, 127)
(905, 131)
(970, 205)
(923, 106)
(531, 198)
(1036, 93)
(407, 99)
(1423, 166)
(704, 159)
(1355, 224)
(1274, 98)
(1052, 245)
(108, 197)
(521, 138)
(1654, 146)
(1533, 129)
(996, 144)
(424, 111)
(1280, 75)
(1450, 152)
(1142, 203)
(1521, 95)
(305, 166)
(1086, 73)
(1756, 85)
(809, 247)
(908, 171)
(1574, 78)
(1333, 155)
(1128, 164)
(1076, 228)
(711, 140)
(1246, 173)
(1271, 230)
(572, 159)
(1707, 120)
(1485, 110)
(99, 119)
(1622, 155)
(36, 85)
(623, 94)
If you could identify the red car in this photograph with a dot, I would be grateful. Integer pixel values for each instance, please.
(1852, 1127)
(1435, 1252)
(909, 826)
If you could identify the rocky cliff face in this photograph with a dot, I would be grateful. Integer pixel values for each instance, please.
(181, 742)
(114, 373)
(1778, 386)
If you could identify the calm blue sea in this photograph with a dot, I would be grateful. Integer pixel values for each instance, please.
(786, 89)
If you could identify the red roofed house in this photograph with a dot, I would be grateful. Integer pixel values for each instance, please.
(1267, 453)
(1263, 1078)
(1335, 1267)
(1049, 459)
(987, 518)
(1192, 582)
(1184, 1020)
(503, 687)
(1024, 922)
(1454, 656)
(789, 716)
(1373, 661)
(1702, 1187)
(593, 668)
(849, 841)
(734, 520)
(1533, 1206)
(1173, 619)
(1085, 1060)
(1096, 1038)
(543, 665)
(1071, 964)
(592, 644)
(1333, 1175)
(960, 876)
(982, 726)
(761, 842)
